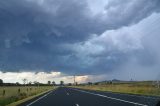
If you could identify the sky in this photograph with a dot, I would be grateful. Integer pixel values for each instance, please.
(94, 39)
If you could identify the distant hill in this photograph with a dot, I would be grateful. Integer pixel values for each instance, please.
(116, 80)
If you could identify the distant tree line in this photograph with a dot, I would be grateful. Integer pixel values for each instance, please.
(26, 83)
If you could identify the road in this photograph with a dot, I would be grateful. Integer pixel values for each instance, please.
(64, 96)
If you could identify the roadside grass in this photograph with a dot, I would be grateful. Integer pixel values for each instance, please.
(141, 88)
(16, 93)
(28, 98)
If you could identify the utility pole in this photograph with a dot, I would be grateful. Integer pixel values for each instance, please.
(158, 84)
(74, 79)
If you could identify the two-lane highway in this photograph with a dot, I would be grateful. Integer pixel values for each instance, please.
(64, 96)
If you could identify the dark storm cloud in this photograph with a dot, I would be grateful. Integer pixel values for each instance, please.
(35, 34)
(118, 13)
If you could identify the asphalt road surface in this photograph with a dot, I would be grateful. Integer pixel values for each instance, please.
(64, 96)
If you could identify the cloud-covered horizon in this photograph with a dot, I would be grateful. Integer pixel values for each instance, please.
(44, 77)
(81, 37)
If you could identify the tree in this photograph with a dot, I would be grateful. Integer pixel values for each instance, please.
(30, 83)
(61, 82)
(89, 83)
(1, 82)
(49, 82)
(24, 81)
(76, 83)
(54, 83)
(69, 84)
(36, 83)
(17, 83)
(96, 83)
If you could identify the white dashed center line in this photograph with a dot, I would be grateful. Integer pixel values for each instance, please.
(77, 104)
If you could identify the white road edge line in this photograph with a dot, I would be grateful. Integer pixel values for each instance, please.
(38, 99)
(112, 98)
(134, 95)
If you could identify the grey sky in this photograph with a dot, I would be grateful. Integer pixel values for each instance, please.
(81, 37)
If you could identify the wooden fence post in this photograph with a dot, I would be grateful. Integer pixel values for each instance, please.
(4, 92)
(19, 90)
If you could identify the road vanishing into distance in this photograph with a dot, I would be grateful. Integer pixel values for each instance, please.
(64, 96)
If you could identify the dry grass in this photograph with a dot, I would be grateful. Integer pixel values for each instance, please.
(12, 94)
(142, 88)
